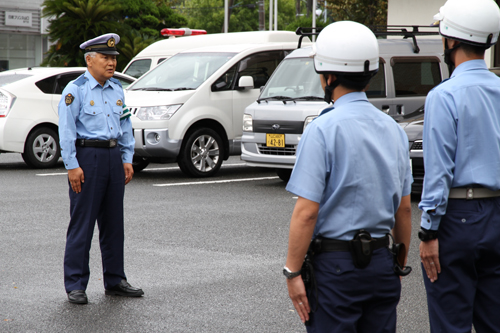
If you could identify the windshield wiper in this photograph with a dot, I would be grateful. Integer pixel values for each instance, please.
(154, 89)
(307, 98)
(183, 88)
(279, 98)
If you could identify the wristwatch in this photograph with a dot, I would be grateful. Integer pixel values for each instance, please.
(426, 235)
(289, 274)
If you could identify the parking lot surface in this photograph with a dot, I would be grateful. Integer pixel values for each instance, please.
(208, 254)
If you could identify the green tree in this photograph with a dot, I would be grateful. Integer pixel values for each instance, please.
(138, 22)
(367, 12)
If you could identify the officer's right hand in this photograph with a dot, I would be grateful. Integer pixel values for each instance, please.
(76, 179)
(297, 293)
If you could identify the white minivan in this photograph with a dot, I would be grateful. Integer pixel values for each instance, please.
(159, 51)
(189, 109)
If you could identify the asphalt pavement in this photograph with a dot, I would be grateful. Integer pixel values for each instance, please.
(208, 254)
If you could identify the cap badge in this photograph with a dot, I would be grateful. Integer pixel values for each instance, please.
(119, 102)
(69, 99)
(92, 103)
(111, 42)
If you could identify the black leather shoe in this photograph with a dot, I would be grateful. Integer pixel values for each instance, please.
(78, 297)
(124, 289)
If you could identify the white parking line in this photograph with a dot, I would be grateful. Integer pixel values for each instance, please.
(145, 170)
(217, 181)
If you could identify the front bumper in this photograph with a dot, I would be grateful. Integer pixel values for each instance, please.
(255, 152)
(155, 143)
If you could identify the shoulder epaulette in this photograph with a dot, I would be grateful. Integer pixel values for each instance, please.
(80, 80)
(115, 81)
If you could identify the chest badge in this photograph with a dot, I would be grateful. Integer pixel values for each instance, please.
(92, 103)
(69, 99)
(119, 102)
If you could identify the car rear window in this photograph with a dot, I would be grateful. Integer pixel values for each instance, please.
(47, 85)
(415, 77)
(6, 79)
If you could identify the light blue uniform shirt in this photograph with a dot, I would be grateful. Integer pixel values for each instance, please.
(354, 161)
(461, 139)
(95, 112)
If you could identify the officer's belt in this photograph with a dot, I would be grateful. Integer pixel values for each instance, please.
(472, 193)
(97, 143)
(335, 245)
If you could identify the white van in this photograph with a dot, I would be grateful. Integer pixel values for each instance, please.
(189, 109)
(155, 53)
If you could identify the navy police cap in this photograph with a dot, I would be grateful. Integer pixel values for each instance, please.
(105, 44)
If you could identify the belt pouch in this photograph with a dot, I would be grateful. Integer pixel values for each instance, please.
(360, 248)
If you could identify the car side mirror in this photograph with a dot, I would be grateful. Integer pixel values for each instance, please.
(246, 82)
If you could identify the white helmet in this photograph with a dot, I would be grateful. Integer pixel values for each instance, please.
(475, 22)
(346, 47)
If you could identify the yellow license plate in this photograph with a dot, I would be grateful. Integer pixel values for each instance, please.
(275, 140)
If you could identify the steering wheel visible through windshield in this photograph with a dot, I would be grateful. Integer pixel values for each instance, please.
(184, 71)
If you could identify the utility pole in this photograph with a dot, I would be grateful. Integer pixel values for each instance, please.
(262, 16)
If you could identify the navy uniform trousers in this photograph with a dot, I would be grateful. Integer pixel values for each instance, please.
(352, 299)
(101, 199)
(468, 289)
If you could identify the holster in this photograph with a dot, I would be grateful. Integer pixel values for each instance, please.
(399, 255)
(360, 248)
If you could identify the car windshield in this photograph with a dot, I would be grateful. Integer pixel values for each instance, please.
(185, 71)
(295, 78)
(6, 79)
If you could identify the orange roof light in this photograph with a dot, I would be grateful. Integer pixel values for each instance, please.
(182, 32)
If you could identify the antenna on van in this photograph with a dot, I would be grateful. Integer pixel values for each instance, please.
(407, 31)
(306, 32)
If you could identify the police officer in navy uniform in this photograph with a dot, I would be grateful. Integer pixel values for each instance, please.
(460, 225)
(352, 177)
(97, 146)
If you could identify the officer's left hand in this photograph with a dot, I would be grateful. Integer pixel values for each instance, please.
(129, 172)
(429, 255)
(297, 293)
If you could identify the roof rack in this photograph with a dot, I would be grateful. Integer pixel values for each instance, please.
(407, 31)
(303, 32)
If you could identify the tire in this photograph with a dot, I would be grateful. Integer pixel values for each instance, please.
(41, 149)
(202, 153)
(284, 174)
(139, 163)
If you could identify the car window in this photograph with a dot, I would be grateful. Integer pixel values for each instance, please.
(226, 81)
(160, 60)
(47, 85)
(260, 66)
(294, 78)
(415, 77)
(6, 79)
(376, 88)
(124, 81)
(63, 80)
(138, 67)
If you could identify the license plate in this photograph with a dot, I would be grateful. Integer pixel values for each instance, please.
(275, 140)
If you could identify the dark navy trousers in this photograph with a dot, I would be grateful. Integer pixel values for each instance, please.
(467, 291)
(101, 199)
(352, 299)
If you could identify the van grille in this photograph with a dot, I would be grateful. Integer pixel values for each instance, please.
(417, 145)
(288, 150)
(133, 110)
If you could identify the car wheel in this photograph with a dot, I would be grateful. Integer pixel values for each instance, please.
(201, 154)
(284, 174)
(41, 149)
(139, 163)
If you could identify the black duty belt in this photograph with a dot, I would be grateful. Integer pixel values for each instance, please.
(97, 143)
(334, 245)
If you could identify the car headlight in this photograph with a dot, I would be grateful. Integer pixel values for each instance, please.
(6, 102)
(162, 112)
(308, 121)
(247, 123)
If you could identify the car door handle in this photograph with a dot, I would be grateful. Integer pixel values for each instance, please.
(400, 109)
(385, 109)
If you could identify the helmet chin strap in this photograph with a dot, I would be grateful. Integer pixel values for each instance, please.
(447, 56)
(329, 88)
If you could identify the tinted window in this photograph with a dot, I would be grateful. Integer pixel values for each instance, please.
(260, 66)
(415, 77)
(63, 80)
(377, 83)
(226, 81)
(138, 67)
(47, 85)
(160, 60)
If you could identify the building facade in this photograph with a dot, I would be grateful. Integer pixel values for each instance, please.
(23, 39)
